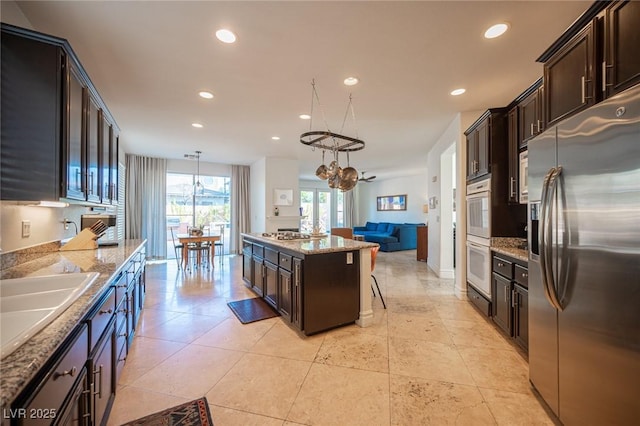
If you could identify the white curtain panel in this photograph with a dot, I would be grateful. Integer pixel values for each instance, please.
(145, 213)
(240, 214)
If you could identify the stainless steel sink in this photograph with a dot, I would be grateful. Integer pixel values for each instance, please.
(28, 304)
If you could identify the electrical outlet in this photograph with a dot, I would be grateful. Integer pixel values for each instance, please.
(349, 258)
(26, 228)
(66, 224)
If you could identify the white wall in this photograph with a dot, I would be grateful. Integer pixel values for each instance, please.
(439, 156)
(267, 175)
(414, 186)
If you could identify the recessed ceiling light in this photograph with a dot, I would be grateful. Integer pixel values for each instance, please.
(496, 30)
(305, 116)
(275, 138)
(197, 125)
(206, 95)
(458, 92)
(351, 81)
(225, 36)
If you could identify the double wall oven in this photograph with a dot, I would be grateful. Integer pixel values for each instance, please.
(479, 236)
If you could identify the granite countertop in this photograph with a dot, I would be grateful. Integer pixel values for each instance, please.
(511, 247)
(314, 245)
(19, 367)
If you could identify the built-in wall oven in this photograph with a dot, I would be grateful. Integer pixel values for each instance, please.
(479, 266)
(479, 209)
(478, 236)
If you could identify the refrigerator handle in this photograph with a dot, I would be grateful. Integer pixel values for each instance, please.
(551, 288)
(543, 232)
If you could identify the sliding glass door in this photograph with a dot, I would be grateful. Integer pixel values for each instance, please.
(206, 206)
(323, 208)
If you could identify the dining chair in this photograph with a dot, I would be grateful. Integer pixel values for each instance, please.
(374, 254)
(201, 251)
(219, 245)
(177, 248)
(343, 232)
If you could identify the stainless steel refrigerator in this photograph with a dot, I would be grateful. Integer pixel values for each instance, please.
(584, 264)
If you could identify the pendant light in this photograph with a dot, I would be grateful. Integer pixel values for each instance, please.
(198, 188)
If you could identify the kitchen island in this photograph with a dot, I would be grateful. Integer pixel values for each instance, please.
(315, 283)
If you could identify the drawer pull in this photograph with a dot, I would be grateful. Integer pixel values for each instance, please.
(108, 311)
(500, 264)
(70, 373)
(122, 335)
(122, 286)
(525, 275)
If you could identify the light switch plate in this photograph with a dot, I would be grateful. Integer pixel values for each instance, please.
(26, 228)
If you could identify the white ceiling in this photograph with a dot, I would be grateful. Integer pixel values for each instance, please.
(150, 59)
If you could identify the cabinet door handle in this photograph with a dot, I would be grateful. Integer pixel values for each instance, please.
(91, 183)
(512, 189)
(70, 373)
(532, 132)
(108, 311)
(582, 89)
(514, 297)
(99, 373)
(506, 298)
(539, 125)
(604, 76)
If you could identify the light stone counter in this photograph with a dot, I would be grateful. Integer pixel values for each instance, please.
(17, 369)
(315, 245)
(511, 247)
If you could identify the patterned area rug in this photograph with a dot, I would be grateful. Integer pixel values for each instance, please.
(194, 413)
(250, 310)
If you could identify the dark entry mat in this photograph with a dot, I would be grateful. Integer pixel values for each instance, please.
(194, 413)
(250, 310)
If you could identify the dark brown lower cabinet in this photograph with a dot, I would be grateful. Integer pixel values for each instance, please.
(77, 410)
(284, 288)
(271, 284)
(101, 375)
(247, 270)
(77, 384)
(296, 294)
(510, 297)
(521, 316)
(501, 302)
(257, 276)
(48, 393)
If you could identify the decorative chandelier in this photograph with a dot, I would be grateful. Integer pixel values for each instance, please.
(198, 188)
(346, 178)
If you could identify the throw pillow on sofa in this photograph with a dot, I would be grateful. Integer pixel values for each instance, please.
(382, 227)
(371, 226)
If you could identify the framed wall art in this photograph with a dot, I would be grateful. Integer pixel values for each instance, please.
(392, 202)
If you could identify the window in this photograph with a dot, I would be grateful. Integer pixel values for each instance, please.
(209, 208)
(323, 208)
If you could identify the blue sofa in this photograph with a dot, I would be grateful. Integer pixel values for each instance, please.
(390, 236)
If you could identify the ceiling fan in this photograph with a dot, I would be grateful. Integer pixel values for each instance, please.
(366, 179)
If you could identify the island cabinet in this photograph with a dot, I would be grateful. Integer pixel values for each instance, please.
(77, 385)
(55, 125)
(510, 301)
(595, 58)
(312, 291)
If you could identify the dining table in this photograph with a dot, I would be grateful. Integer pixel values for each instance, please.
(188, 239)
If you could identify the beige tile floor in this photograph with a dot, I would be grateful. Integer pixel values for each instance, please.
(429, 359)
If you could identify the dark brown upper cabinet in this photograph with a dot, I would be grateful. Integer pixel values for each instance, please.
(105, 160)
(485, 139)
(31, 118)
(531, 119)
(569, 77)
(51, 123)
(621, 64)
(595, 58)
(75, 152)
(94, 126)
